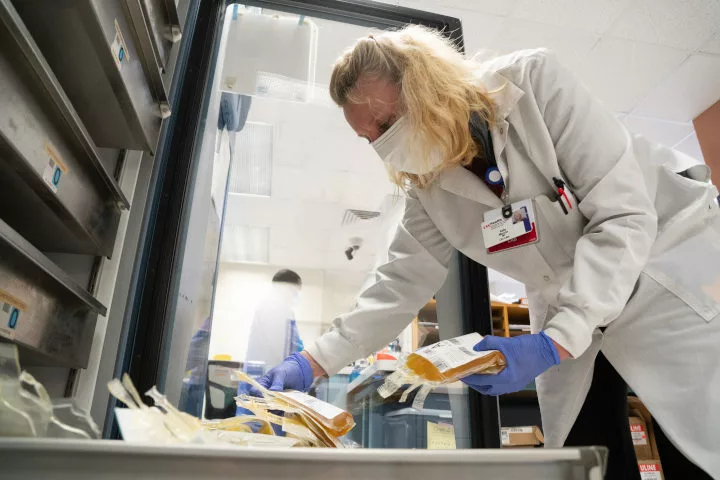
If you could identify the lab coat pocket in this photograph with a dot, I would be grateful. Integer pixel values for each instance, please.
(691, 269)
(558, 232)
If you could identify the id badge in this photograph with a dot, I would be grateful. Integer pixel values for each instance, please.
(509, 227)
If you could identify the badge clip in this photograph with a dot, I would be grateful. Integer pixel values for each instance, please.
(507, 211)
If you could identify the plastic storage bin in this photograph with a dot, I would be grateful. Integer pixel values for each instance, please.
(407, 427)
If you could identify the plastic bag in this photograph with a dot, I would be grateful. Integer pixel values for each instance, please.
(308, 418)
(164, 424)
(77, 423)
(26, 409)
(15, 420)
(443, 362)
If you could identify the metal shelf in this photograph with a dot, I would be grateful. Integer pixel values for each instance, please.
(120, 95)
(54, 188)
(42, 310)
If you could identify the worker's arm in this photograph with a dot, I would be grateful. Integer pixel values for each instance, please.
(595, 154)
(317, 370)
(416, 268)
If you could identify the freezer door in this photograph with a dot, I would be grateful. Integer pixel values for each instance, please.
(281, 182)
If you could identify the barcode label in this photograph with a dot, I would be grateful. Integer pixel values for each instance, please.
(650, 476)
(639, 438)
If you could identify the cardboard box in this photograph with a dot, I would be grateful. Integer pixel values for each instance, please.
(640, 438)
(650, 470)
(521, 437)
(638, 409)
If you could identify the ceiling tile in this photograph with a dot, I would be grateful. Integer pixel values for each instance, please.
(691, 146)
(300, 257)
(572, 46)
(288, 237)
(591, 15)
(491, 7)
(681, 24)
(478, 28)
(684, 95)
(661, 131)
(713, 46)
(620, 72)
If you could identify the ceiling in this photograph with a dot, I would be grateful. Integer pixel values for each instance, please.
(655, 63)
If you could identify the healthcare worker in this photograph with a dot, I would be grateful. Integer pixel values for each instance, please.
(617, 240)
(274, 333)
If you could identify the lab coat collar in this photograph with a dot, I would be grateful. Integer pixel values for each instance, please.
(461, 181)
(502, 92)
(505, 95)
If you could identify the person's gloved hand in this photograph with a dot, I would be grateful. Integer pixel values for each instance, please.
(527, 356)
(295, 373)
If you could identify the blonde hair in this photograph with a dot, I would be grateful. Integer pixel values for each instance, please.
(437, 90)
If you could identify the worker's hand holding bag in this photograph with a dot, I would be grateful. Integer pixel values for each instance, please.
(527, 356)
(293, 373)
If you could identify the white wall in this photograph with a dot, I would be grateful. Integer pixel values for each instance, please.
(500, 284)
(339, 294)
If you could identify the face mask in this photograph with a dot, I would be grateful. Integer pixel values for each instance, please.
(391, 146)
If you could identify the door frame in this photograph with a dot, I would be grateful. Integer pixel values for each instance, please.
(148, 321)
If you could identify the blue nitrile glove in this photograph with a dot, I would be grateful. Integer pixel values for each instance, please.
(527, 356)
(293, 373)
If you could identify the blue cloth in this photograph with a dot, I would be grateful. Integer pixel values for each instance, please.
(197, 360)
(193, 390)
(234, 109)
(527, 356)
(191, 399)
(293, 373)
(293, 342)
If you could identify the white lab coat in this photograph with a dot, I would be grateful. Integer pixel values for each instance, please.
(640, 231)
(270, 332)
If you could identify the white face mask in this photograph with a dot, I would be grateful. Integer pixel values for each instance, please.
(391, 146)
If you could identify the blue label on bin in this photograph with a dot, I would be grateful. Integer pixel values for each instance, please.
(14, 316)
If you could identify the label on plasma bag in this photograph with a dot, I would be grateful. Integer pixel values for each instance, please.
(451, 353)
(325, 409)
(11, 309)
